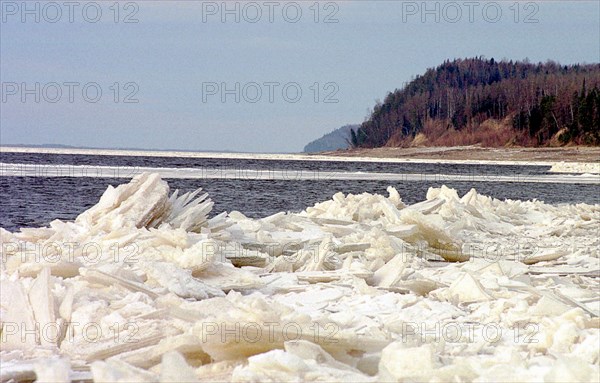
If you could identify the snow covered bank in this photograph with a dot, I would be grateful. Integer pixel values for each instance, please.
(273, 156)
(145, 287)
(495, 158)
(576, 167)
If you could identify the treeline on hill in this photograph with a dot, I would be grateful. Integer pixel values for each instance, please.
(478, 101)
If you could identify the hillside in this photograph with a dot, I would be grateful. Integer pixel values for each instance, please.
(337, 139)
(478, 101)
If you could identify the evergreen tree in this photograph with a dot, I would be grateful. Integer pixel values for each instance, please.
(540, 98)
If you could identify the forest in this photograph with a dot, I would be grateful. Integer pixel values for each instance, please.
(492, 103)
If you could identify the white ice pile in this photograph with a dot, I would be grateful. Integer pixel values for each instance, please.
(144, 287)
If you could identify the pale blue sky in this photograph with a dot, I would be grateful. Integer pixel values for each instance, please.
(176, 47)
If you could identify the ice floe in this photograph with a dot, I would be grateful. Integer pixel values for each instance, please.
(148, 286)
(99, 171)
(576, 167)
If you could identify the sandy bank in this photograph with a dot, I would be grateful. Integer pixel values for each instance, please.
(475, 153)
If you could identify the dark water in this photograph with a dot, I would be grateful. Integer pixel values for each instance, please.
(35, 201)
(219, 163)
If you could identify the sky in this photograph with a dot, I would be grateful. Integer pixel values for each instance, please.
(264, 76)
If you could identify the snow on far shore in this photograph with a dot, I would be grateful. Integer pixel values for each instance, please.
(576, 167)
(269, 156)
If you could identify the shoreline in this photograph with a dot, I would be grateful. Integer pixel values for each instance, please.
(451, 155)
(546, 155)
